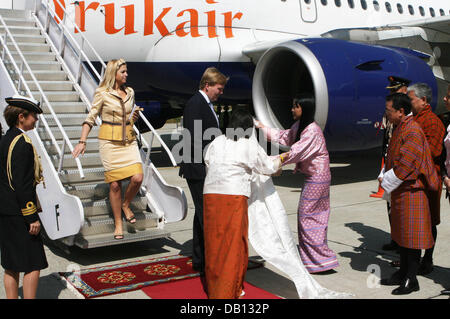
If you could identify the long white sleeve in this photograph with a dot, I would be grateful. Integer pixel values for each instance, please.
(390, 181)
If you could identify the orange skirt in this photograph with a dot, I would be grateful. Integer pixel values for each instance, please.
(225, 221)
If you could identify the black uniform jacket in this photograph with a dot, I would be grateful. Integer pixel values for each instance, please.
(196, 109)
(21, 198)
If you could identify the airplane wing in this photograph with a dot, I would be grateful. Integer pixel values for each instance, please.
(256, 49)
(419, 51)
(428, 36)
(438, 24)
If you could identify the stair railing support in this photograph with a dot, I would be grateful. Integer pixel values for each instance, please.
(47, 19)
(62, 43)
(80, 65)
(20, 78)
(4, 50)
(61, 157)
(39, 88)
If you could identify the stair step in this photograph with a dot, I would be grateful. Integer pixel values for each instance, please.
(33, 47)
(100, 207)
(103, 240)
(21, 30)
(76, 108)
(73, 132)
(52, 85)
(28, 38)
(43, 75)
(92, 175)
(17, 14)
(91, 146)
(58, 96)
(34, 56)
(95, 191)
(66, 119)
(88, 160)
(21, 22)
(37, 66)
(45, 65)
(105, 224)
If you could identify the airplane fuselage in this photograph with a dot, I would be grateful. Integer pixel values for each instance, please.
(168, 44)
(216, 31)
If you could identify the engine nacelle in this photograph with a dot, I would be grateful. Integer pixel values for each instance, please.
(348, 81)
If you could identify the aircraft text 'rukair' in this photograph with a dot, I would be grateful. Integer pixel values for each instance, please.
(154, 19)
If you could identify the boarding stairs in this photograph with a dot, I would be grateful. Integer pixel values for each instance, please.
(36, 60)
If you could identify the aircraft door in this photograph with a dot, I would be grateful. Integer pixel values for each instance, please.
(308, 10)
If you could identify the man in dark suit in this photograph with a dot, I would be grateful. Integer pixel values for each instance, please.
(199, 118)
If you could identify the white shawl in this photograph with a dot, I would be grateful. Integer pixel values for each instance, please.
(271, 237)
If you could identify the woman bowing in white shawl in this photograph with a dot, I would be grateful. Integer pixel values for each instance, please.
(239, 202)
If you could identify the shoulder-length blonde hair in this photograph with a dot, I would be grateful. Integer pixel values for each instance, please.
(109, 79)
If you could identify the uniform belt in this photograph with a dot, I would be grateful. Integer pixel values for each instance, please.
(110, 123)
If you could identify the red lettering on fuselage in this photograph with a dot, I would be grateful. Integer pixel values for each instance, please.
(211, 24)
(153, 19)
(229, 17)
(193, 30)
(80, 14)
(110, 21)
(60, 5)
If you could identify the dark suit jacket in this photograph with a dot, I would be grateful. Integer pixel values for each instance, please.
(196, 109)
(21, 200)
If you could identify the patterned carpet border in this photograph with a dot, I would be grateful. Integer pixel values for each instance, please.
(76, 280)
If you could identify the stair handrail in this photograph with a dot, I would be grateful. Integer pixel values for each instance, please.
(166, 148)
(22, 81)
(66, 140)
(62, 26)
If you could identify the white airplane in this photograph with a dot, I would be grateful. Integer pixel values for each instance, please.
(342, 51)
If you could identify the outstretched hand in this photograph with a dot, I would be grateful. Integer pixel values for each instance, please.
(447, 183)
(258, 124)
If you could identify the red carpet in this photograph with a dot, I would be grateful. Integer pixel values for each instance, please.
(113, 279)
(193, 289)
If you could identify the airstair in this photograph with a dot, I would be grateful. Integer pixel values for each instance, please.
(40, 58)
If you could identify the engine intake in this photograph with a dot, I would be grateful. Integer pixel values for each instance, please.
(347, 79)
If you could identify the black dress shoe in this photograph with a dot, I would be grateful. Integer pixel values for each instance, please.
(445, 292)
(407, 287)
(394, 280)
(198, 268)
(391, 246)
(425, 268)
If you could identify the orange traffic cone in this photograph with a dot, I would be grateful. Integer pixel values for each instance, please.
(380, 192)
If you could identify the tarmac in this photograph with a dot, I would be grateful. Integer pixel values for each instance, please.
(358, 227)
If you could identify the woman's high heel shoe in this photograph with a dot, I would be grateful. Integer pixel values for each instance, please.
(132, 219)
(118, 236)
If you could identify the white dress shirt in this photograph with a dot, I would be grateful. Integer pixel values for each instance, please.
(230, 165)
(210, 105)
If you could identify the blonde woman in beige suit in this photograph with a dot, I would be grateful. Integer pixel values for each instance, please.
(114, 102)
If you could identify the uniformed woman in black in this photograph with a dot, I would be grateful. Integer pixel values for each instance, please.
(20, 171)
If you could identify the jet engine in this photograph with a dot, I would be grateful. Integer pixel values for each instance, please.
(347, 79)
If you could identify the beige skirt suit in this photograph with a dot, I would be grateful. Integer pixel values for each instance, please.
(117, 141)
